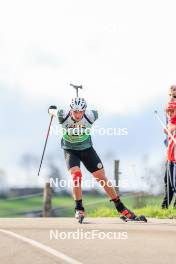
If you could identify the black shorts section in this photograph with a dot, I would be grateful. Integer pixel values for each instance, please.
(88, 157)
(71, 158)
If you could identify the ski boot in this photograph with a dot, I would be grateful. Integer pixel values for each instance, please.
(79, 215)
(127, 216)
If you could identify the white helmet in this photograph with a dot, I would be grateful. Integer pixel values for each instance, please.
(78, 104)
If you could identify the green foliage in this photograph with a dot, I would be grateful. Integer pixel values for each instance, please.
(154, 212)
(95, 206)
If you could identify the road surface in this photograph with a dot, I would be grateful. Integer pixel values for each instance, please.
(98, 240)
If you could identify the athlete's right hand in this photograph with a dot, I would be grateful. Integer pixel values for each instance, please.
(52, 110)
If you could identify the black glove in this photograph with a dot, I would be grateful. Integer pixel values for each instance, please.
(52, 107)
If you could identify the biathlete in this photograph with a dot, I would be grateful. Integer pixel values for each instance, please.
(77, 147)
(168, 193)
(170, 175)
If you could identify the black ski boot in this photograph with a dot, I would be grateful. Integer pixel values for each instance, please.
(126, 214)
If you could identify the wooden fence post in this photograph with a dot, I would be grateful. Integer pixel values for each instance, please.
(116, 174)
(47, 200)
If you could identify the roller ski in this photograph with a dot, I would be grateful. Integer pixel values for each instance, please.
(126, 214)
(79, 215)
(133, 218)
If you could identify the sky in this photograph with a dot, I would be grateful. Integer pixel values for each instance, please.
(123, 53)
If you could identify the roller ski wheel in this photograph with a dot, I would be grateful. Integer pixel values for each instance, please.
(79, 215)
(140, 218)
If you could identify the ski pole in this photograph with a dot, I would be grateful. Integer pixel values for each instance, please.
(164, 126)
(45, 144)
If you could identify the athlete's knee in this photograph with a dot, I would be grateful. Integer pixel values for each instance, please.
(77, 178)
(99, 173)
(100, 177)
(74, 169)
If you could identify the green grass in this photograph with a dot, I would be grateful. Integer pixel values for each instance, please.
(149, 206)
(12, 208)
(20, 207)
(95, 206)
(154, 212)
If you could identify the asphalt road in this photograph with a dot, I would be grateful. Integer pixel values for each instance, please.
(98, 240)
